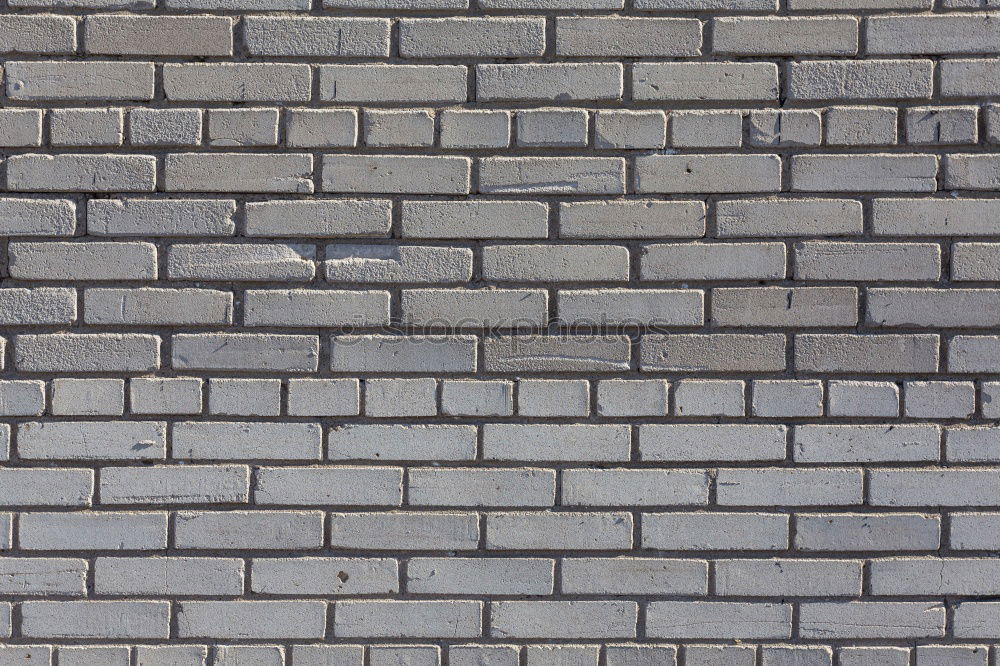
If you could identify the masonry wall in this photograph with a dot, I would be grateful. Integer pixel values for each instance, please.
(500, 333)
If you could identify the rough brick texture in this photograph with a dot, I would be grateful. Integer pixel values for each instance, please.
(500, 332)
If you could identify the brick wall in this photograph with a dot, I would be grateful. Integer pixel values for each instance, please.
(500, 333)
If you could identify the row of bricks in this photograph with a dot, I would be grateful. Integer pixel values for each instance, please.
(506, 37)
(616, 654)
(381, 83)
(524, 309)
(582, 443)
(570, 531)
(453, 175)
(546, 398)
(497, 577)
(390, 264)
(428, 354)
(406, 6)
(512, 620)
(512, 308)
(491, 129)
(476, 219)
(498, 655)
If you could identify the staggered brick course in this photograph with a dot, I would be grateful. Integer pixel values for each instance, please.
(500, 332)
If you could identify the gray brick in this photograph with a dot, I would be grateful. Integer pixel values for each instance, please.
(867, 173)
(91, 352)
(932, 487)
(552, 175)
(474, 128)
(406, 354)
(242, 262)
(403, 530)
(564, 619)
(85, 173)
(860, 125)
(241, 441)
(326, 575)
(746, 36)
(334, 486)
(860, 80)
(933, 217)
(671, 174)
(938, 308)
(249, 530)
(630, 129)
(658, 307)
(698, 442)
(712, 353)
(194, 484)
(788, 578)
(631, 487)
(96, 619)
(969, 78)
(181, 395)
(632, 219)
(37, 217)
(301, 307)
(789, 217)
(396, 174)
(42, 305)
(246, 351)
(561, 82)
(525, 442)
(93, 531)
(158, 35)
(559, 531)
(474, 219)
(44, 486)
(817, 352)
(893, 620)
(797, 487)
(165, 307)
(80, 81)
(408, 619)
(472, 37)
(956, 33)
(252, 619)
(569, 353)
(431, 486)
(38, 34)
(492, 576)
(83, 261)
(401, 263)
(88, 397)
(382, 83)
(951, 576)
(145, 440)
(239, 172)
(782, 307)
(627, 37)
(164, 127)
(237, 82)
(322, 37)
(323, 397)
(86, 127)
(160, 217)
(867, 532)
(718, 619)
(402, 442)
(20, 128)
(185, 576)
(705, 81)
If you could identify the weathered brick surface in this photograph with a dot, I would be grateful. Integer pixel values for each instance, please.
(499, 332)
